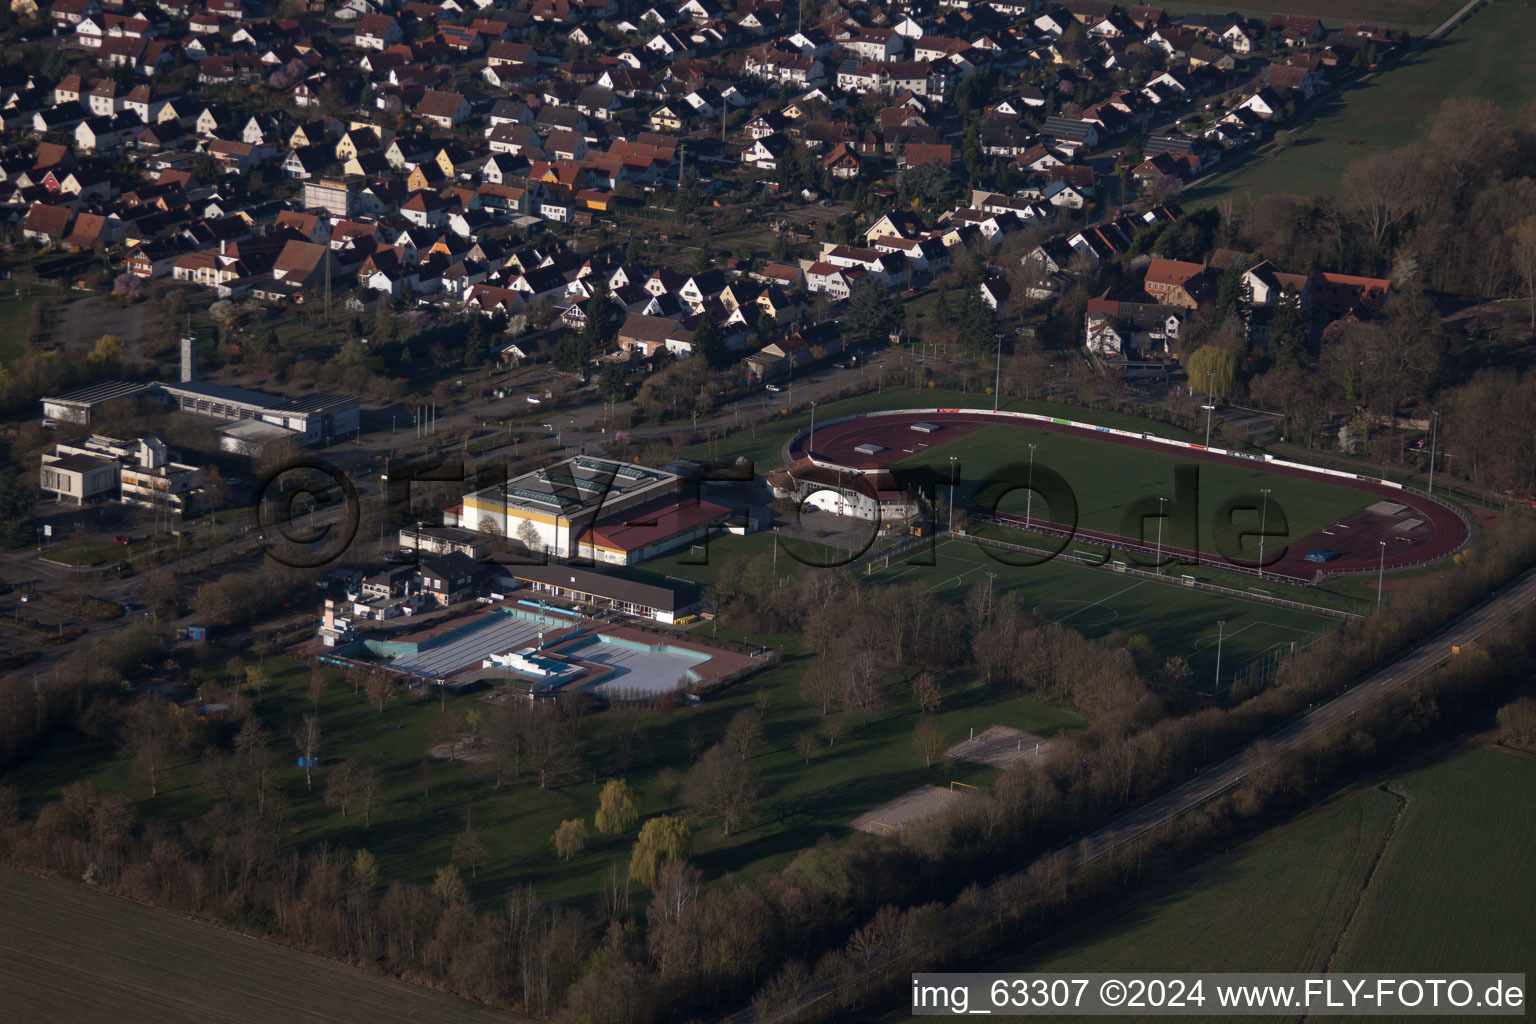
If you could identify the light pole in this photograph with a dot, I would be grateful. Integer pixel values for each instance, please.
(1434, 436)
(1263, 524)
(1159, 564)
(1210, 404)
(997, 380)
(1029, 494)
(775, 555)
(1221, 627)
(811, 443)
(1381, 567)
(951, 494)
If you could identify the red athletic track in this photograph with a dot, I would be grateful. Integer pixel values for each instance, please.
(1358, 546)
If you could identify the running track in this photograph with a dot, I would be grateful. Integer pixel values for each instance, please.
(1448, 532)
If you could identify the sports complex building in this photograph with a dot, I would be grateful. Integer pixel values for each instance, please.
(615, 513)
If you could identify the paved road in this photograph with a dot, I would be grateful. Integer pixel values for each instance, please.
(1215, 780)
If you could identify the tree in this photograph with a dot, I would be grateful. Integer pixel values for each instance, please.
(257, 679)
(380, 689)
(1379, 191)
(570, 837)
(822, 683)
(600, 309)
(872, 316)
(109, 352)
(469, 849)
(709, 342)
(833, 726)
(744, 733)
(615, 808)
(663, 840)
(929, 739)
(926, 693)
(807, 746)
(572, 352)
(367, 790)
(17, 502)
(1522, 251)
(307, 739)
(550, 749)
(150, 736)
(610, 383)
(365, 868)
(448, 886)
(1209, 359)
(341, 786)
(721, 786)
(319, 682)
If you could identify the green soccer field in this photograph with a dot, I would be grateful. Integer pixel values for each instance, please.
(1175, 619)
(1110, 479)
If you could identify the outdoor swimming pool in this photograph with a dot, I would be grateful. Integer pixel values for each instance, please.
(645, 669)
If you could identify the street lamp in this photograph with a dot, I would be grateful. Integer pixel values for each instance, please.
(997, 381)
(1029, 494)
(951, 494)
(1159, 564)
(810, 444)
(1381, 568)
(1263, 524)
(1434, 436)
(1221, 626)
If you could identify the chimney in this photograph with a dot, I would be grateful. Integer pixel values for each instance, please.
(221, 246)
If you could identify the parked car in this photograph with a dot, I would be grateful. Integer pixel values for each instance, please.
(120, 539)
(774, 388)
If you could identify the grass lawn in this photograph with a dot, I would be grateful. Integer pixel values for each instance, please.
(412, 835)
(1480, 57)
(15, 314)
(1108, 479)
(1447, 894)
(1175, 619)
(764, 444)
(1416, 16)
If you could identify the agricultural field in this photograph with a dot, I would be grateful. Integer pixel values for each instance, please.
(1485, 55)
(1174, 618)
(71, 954)
(414, 825)
(1446, 893)
(1108, 479)
(1414, 16)
(1453, 889)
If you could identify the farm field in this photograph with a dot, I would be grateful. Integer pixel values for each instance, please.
(1174, 618)
(1108, 478)
(1481, 56)
(1445, 894)
(68, 954)
(1416, 16)
(414, 827)
(1453, 890)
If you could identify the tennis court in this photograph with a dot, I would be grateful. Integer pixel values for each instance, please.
(1176, 619)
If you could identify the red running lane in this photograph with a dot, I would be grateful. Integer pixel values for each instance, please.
(1358, 541)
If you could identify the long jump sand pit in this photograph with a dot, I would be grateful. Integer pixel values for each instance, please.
(913, 805)
(1000, 746)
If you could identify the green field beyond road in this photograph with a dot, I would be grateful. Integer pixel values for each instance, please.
(1109, 479)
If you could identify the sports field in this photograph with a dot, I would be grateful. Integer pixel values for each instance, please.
(1486, 55)
(1177, 620)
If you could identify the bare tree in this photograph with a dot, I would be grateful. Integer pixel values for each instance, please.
(319, 682)
(744, 733)
(367, 791)
(929, 739)
(469, 850)
(807, 746)
(550, 748)
(341, 785)
(307, 739)
(254, 756)
(926, 693)
(721, 786)
(150, 737)
(380, 688)
(1522, 252)
(822, 683)
(863, 688)
(833, 726)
